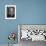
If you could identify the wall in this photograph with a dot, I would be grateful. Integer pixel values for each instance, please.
(27, 12)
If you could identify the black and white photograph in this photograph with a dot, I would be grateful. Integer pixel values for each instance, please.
(10, 11)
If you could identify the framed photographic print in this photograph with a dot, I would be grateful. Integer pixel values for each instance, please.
(10, 11)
